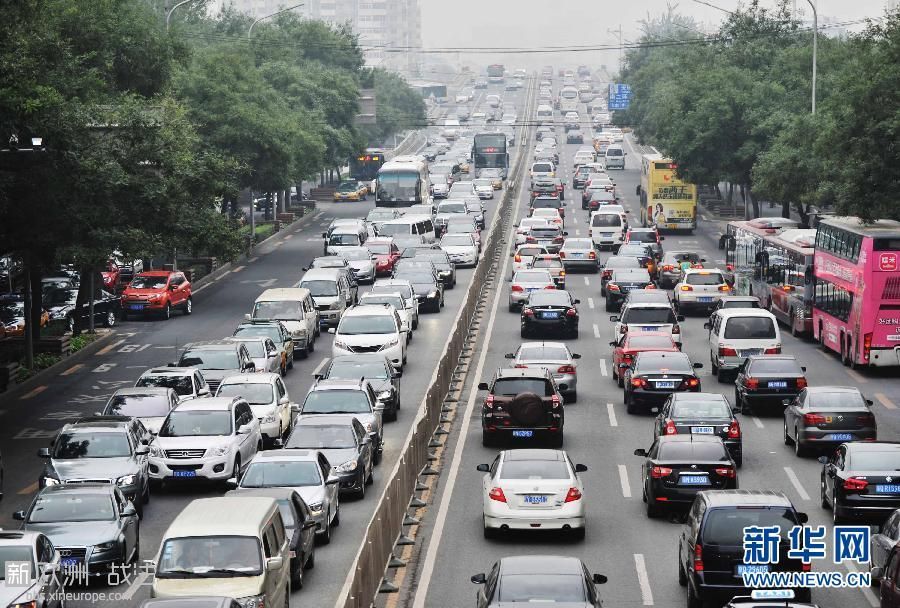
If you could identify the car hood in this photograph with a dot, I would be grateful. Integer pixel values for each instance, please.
(129, 291)
(239, 586)
(94, 468)
(60, 309)
(77, 533)
(216, 375)
(337, 456)
(458, 248)
(152, 423)
(366, 339)
(191, 443)
(361, 264)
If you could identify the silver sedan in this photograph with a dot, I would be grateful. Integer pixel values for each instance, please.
(361, 261)
(556, 358)
(526, 281)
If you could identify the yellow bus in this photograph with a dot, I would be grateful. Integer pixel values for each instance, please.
(666, 201)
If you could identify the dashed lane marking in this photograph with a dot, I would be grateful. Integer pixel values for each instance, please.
(238, 269)
(857, 377)
(29, 489)
(72, 369)
(883, 400)
(795, 481)
(591, 303)
(643, 579)
(596, 331)
(866, 591)
(288, 237)
(587, 281)
(602, 363)
(106, 349)
(759, 423)
(611, 412)
(253, 259)
(623, 479)
(321, 365)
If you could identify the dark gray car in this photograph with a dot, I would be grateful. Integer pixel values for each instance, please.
(217, 359)
(374, 367)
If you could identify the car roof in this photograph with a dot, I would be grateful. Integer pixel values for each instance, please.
(213, 344)
(831, 389)
(170, 371)
(322, 273)
(239, 515)
(324, 420)
(541, 564)
(750, 498)
(278, 493)
(98, 423)
(739, 299)
(211, 404)
(648, 304)
(156, 273)
(258, 378)
(137, 391)
(726, 313)
(369, 310)
(334, 384)
(873, 446)
(287, 455)
(533, 454)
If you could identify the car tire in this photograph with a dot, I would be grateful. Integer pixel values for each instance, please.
(800, 450)
(578, 534)
(310, 347)
(310, 561)
(188, 306)
(486, 440)
(336, 521)
(608, 307)
(571, 397)
(692, 600)
(682, 577)
(512, 308)
(376, 458)
(823, 500)
(556, 440)
(390, 415)
(416, 322)
(787, 438)
(490, 533)
(837, 519)
(371, 478)
(629, 405)
(282, 371)
(325, 537)
(713, 368)
(653, 509)
(110, 319)
(361, 493)
(523, 332)
(296, 576)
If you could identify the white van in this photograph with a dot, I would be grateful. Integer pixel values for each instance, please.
(615, 157)
(214, 538)
(330, 290)
(543, 168)
(345, 236)
(607, 228)
(421, 225)
(294, 307)
(544, 112)
(738, 333)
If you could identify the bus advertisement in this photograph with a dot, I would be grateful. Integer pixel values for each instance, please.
(489, 151)
(364, 167)
(856, 311)
(775, 265)
(666, 201)
(496, 73)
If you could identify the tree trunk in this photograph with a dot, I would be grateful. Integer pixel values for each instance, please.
(280, 202)
(36, 305)
(753, 202)
(30, 319)
(803, 212)
(785, 209)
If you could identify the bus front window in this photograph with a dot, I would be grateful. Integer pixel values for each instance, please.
(400, 187)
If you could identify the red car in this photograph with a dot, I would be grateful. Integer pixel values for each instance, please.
(111, 276)
(629, 345)
(157, 292)
(386, 255)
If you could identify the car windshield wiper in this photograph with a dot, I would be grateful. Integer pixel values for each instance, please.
(218, 572)
(334, 412)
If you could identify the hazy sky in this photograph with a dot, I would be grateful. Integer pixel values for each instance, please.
(548, 23)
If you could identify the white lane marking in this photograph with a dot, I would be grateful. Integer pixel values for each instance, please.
(623, 478)
(611, 412)
(882, 398)
(643, 579)
(577, 232)
(314, 239)
(856, 376)
(591, 303)
(759, 423)
(603, 367)
(866, 591)
(596, 331)
(134, 586)
(321, 365)
(587, 281)
(795, 481)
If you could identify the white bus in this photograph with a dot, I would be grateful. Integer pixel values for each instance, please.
(403, 182)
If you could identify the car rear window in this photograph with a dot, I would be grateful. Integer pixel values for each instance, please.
(873, 460)
(533, 277)
(692, 451)
(542, 588)
(648, 315)
(700, 408)
(542, 168)
(741, 304)
(544, 232)
(780, 366)
(606, 219)
(838, 400)
(642, 237)
(511, 387)
(532, 251)
(546, 263)
(704, 278)
(543, 352)
(649, 362)
(622, 261)
(543, 203)
(534, 469)
(750, 328)
(650, 342)
(725, 526)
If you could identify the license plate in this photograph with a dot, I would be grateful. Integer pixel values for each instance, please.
(136, 306)
(576, 255)
(778, 384)
(530, 289)
(750, 352)
(70, 562)
(665, 384)
(606, 234)
(648, 328)
(184, 473)
(840, 437)
(523, 433)
(694, 480)
(751, 569)
(887, 488)
(705, 299)
(549, 315)
(533, 499)
(702, 430)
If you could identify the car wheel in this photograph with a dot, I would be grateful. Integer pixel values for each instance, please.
(629, 405)
(167, 311)
(361, 493)
(486, 440)
(713, 368)
(236, 469)
(336, 521)
(692, 600)
(837, 519)
(325, 537)
(823, 500)
(416, 323)
(371, 478)
(311, 560)
(282, 371)
(110, 319)
(799, 449)
(188, 306)
(290, 364)
(787, 438)
(653, 509)
(512, 308)
(136, 557)
(578, 533)
(571, 397)
(609, 307)
(556, 440)
(376, 458)
(523, 333)
(390, 414)
(682, 577)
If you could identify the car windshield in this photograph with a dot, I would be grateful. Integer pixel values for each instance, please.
(71, 507)
(534, 469)
(650, 362)
(750, 328)
(513, 386)
(210, 359)
(542, 277)
(322, 437)
(367, 324)
(606, 219)
(547, 263)
(10, 554)
(543, 352)
(453, 240)
(550, 297)
(614, 152)
(278, 309)
(138, 406)
(83, 444)
(552, 588)
(256, 348)
(631, 276)
(704, 278)
(145, 282)
(543, 203)
(344, 239)
(633, 251)
(256, 393)
(354, 370)
(542, 168)
(874, 460)
(725, 526)
(320, 289)
(331, 261)
(394, 229)
(775, 365)
(180, 384)
(196, 423)
(348, 187)
(356, 254)
(700, 408)
(577, 245)
(636, 315)
(542, 232)
(650, 342)
(379, 248)
(337, 402)
(641, 236)
(56, 297)
(395, 301)
(210, 557)
(691, 451)
(484, 182)
(403, 290)
(380, 214)
(414, 277)
(281, 474)
(683, 256)
(740, 304)
(452, 208)
(461, 228)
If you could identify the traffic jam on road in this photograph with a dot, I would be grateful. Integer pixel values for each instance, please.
(650, 384)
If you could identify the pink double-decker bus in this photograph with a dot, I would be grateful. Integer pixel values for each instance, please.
(856, 308)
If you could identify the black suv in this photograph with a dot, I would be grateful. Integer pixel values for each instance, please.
(710, 549)
(521, 403)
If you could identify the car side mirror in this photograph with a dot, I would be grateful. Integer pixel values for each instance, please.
(483, 386)
(332, 330)
(479, 579)
(869, 402)
(680, 318)
(614, 318)
(173, 287)
(565, 234)
(707, 325)
(275, 563)
(397, 373)
(247, 316)
(823, 459)
(203, 392)
(698, 366)
(484, 468)
(576, 356)
(44, 453)
(877, 572)
(324, 236)
(231, 482)
(128, 510)
(172, 364)
(510, 355)
(142, 451)
(19, 515)
(599, 579)
(332, 479)
(802, 517)
(803, 368)
(662, 238)
(577, 301)
(581, 468)
(244, 429)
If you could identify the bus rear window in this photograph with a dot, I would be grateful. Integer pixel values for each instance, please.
(886, 244)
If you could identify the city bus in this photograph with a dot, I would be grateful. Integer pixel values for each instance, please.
(774, 262)
(666, 201)
(364, 167)
(496, 73)
(489, 151)
(403, 182)
(856, 311)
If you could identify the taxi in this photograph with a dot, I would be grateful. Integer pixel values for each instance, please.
(351, 190)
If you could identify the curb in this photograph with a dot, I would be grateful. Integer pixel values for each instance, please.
(54, 369)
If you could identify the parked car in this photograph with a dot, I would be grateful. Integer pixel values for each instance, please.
(157, 292)
(62, 305)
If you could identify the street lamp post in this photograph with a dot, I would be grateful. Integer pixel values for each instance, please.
(284, 10)
(618, 33)
(815, 51)
(172, 10)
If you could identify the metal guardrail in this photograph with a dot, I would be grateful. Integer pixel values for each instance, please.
(385, 527)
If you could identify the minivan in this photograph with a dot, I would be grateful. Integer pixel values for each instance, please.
(738, 333)
(294, 307)
(421, 225)
(615, 157)
(212, 539)
(330, 290)
(607, 229)
(345, 236)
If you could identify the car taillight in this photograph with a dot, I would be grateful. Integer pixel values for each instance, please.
(855, 484)
(676, 329)
(530, 239)
(650, 286)
(724, 288)
(801, 383)
(554, 401)
(867, 345)
(573, 494)
(489, 402)
(606, 274)
(497, 494)
(692, 382)
(660, 472)
(592, 255)
(562, 273)
(773, 351)
(667, 268)
(734, 430)
(671, 429)
(566, 369)
(725, 351)
(528, 312)
(638, 382)
(550, 287)
(726, 472)
(612, 287)
(813, 419)
(752, 383)
(517, 288)
(518, 258)
(571, 313)
(520, 366)
(562, 254)
(867, 419)
(627, 357)
(698, 558)
(687, 288)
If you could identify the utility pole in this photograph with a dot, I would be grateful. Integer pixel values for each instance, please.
(815, 51)
(618, 33)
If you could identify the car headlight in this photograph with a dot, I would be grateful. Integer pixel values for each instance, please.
(108, 546)
(385, 394)
(391, 344)
(432, 294)
(157, 452)
(298, 333)
(370, 427)
(252, 601)
(341, 344)
(58, 314)
(347, 467)
(315, 507)
(221, 450)
(126, 480)
(335, 306)
(51, 481)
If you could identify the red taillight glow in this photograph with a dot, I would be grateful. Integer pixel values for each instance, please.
(752, 383)
(571, 312)
(497, 494)
(550, 287)
(527, 312)
(726, 472)
(660, 472)
(867, 345)
(813, 419)
(671, 428)
(562, 255)
(725, 351)
(566, 369)
(667, 268)
(517, 288)
(554, 401)
(866, 419)
(489, 402)
(855, 484)
(692, 382)
(573, 495)
(612, 287)
(518, 258)
(734, 430)
(650, 286)
(638, 382)
(698, 558)
(687, 288)
(592, 255)
(801, 383)
(773, 351)
(676, 329)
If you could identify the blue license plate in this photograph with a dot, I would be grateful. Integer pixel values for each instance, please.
(576, 255)
(184, 473)
(705, 299)
(70, 562)
(523, 433)
(887, 488)
(778, 384)
(751, 568)
(549, 315)
(648, 328)
(694, 480)
(531, 499)
(840, 437)
(665, 384)
(136, 306)
(530, 289)
(702, 430)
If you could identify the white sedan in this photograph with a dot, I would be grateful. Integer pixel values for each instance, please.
(549, 215)
(461, 248)
(533, 489)
(525, 226)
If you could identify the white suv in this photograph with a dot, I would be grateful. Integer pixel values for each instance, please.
(396, 300)
(212, 439)
(647, 317)
(371, 329)
(700, 288)
(268, 398)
